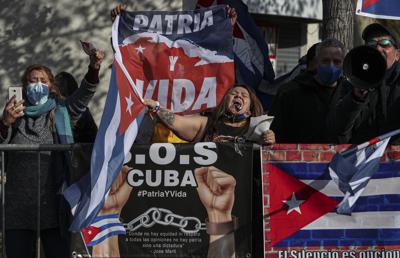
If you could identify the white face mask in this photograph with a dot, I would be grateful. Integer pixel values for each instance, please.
(37, 93)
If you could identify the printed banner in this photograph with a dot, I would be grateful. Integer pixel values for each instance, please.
(182, 59)
(165, 194)
(301, 219)
(380, 9)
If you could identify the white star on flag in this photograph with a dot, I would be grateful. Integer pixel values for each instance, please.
(129, 104)
(89, 232)
(293, 204)
(140, 49)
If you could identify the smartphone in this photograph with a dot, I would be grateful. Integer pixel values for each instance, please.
(15, 91)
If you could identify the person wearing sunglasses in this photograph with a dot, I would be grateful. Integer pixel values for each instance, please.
(367, 113)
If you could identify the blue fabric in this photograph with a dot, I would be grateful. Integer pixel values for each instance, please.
(328, 74)
(38, 110)
(37, 93)
(353, 171)
(353, 233)
(63, 124)
(79, 194)
(252, 76)
(382, 8)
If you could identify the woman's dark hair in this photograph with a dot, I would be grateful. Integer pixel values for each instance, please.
(66, 84)
(24, 79)
(256, 108)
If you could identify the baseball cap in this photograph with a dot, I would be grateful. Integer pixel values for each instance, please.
(376, 29)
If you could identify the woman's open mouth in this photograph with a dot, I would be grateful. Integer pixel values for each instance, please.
(237, 103)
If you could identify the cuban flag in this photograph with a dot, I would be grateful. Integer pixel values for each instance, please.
(122, 115)
(381, 9)
(352, 171)
(252, 63)
(102, 228)
(300, 210)
(183, 59)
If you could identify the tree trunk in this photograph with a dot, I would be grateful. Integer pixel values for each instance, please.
(338, 21)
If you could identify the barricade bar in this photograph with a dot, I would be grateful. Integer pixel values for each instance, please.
(39, 147)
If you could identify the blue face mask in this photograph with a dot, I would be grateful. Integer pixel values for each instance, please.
(37, 93)
(327, 75)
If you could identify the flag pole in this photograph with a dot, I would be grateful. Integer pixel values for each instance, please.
(372, 141)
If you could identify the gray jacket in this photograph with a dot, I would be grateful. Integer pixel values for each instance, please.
(22, 167)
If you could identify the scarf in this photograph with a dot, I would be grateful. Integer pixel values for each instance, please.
(63, 124)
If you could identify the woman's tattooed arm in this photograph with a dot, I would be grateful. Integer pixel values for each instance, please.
(167, 116)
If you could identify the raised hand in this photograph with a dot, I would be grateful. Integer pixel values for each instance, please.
(12, 111)
(216, 190)
(117, 10)
(96, 58)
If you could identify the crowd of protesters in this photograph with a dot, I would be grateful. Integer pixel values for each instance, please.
(315, 105)
(321, 106)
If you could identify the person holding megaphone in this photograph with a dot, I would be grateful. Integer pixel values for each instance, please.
(371, 108)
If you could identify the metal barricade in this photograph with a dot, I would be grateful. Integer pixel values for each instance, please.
(4, 148)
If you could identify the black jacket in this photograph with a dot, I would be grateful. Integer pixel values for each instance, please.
(301, 110)
(357, 121)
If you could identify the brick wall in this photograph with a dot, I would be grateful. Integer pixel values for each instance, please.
(305, 152)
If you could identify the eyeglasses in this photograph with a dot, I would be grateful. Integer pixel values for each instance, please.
(385, 43)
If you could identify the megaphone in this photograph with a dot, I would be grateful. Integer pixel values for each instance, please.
(364, 67)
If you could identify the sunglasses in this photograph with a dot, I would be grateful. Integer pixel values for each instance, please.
(385, 43)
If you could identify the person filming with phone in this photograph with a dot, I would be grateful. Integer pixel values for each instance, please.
(41, 117)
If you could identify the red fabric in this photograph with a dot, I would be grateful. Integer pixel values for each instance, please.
(368, 3)
(153, 66)
(89, 233)
(126, 94)
(281, 188)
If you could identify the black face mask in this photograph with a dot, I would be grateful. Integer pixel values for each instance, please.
(235, 118)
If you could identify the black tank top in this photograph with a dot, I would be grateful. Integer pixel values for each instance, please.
(221, 129)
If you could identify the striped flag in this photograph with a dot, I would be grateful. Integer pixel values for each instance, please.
(123, 113)
(187, 66)
(102, 228)
(381, 9)
(301, 212)
(352, 171)
(252, 63)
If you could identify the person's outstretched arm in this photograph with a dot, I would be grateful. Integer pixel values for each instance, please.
(79, 100)
(189, 128)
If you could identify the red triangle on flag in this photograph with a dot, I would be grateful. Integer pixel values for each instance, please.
(368, 3)
(130, 104)
(286, 218)
(89, 233)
